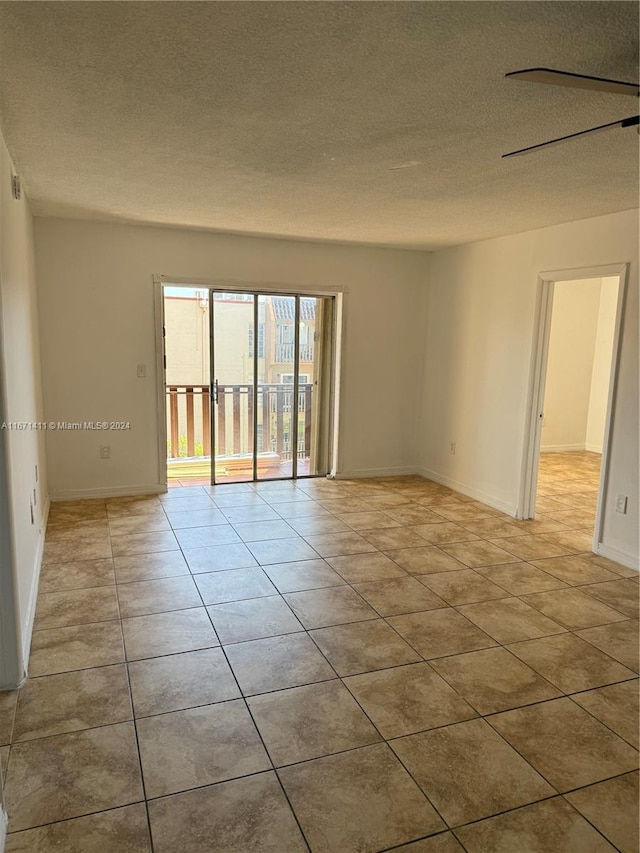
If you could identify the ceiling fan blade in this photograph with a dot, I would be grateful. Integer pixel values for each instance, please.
(632, 121)
(575, 81)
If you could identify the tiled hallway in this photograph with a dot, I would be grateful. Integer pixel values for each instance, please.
(327, 666)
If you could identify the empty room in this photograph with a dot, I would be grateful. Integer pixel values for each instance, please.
(319, 476)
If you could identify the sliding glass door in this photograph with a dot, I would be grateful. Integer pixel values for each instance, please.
(270, 363)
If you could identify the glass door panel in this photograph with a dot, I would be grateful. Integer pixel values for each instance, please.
(233, 346)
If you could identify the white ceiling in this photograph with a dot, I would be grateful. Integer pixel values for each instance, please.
(367, 122)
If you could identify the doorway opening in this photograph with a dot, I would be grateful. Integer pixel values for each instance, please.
(248, 384)
(574, 380)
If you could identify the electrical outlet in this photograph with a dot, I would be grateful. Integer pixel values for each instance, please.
(452, 447)
(105, 451)
(141, 371)
(621, 504)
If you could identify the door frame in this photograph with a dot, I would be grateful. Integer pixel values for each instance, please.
(537, 384)
(337, 292)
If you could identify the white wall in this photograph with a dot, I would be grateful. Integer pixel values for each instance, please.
(572, 344)
(22, 450)
(601, 374)
(478, 349)
(97, 323)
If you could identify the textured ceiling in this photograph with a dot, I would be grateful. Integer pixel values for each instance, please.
(368, 122)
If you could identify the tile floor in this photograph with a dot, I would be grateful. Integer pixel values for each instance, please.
(334, 667)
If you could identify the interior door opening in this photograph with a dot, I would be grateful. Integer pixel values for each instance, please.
(248, 385)
(576, 373)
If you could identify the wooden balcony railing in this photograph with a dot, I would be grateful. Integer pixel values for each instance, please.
(189, 413)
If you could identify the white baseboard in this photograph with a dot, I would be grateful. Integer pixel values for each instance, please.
(4, 820)
(562, 448)
(593, 448)
(628, 560)
(476, 494)
(358, 473)
(108, 492)
(27, 628)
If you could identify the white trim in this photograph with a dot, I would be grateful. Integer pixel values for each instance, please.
(4, 821)
(628, 560)
(562, 448)
(363, 473)
(231, 286)
(540, 351)
(161, 379)
(476, 494)
(593, 448)
(27, 628)
(109, 492)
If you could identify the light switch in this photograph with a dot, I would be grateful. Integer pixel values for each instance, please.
(142, 371)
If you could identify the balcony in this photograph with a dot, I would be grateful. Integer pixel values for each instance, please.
(189, 431)
(285, 353)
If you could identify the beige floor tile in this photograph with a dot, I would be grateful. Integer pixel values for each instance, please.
(425, 560)
(199, 746)
(253, 619)
(620, 594)
(146, 567)
(462, 788)
(573, 608)
(310, 721)
(143, 543)
(574, 570)
(250, 514)
(84, 573)
(395, 596)
(76, 607)
(509, 620)
(551, 825)
(570, 663)
(578, 541)
(243, 815)
(71, 775)
(616, 568)
(335, 605)
(358, 568)
(168, 633)
(141, 598)
(437, 633)
(286, 550)
(461, 511)
(318, 525)
(492, 528)
(339, 544)
(463, 587)
(70, 701)
(612, 807)
(276, 663)
(71, 511)
(124, 525)
(476, 554)
(445, 532)
(443, 843)
(8, 700)
(493, 680)
(122, 830)
(176, 682)
(204, 537)
(72, 552)
(521, 578)
(78, 647)
(530, 547)
(371, 520)
(361, 800)
(411, 515)
(234, 585)
(290, 510)
(346, 504)
(363, 647)
(565, 744)
(619, 640)
(394, 538)
(180, 519)
(306, 574)
(616, 706)
(219, 558)
(262, 531)
(408, 699)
